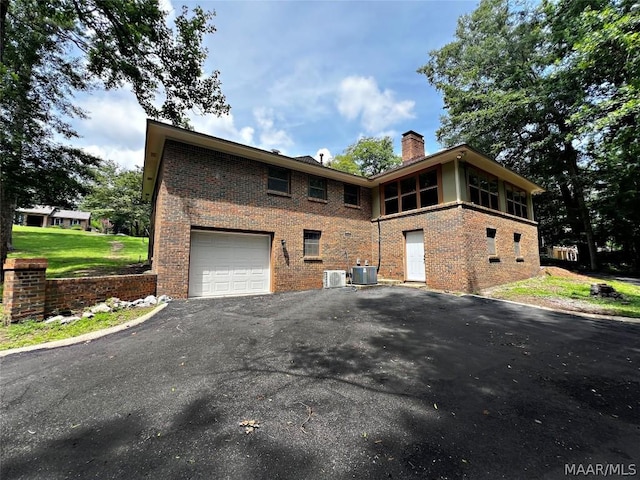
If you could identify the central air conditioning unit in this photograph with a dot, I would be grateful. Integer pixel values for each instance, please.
(334, 279)
(364, 276)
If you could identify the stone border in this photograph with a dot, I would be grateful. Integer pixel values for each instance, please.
(87, 337)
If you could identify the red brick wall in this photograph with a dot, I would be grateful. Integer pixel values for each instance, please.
(200, 188)
(75, 293)
(456, 253)
(24, 291)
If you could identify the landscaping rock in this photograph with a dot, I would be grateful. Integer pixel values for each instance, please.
(66, 320)
(164, 299)
(151, 300)
(88, 315)
(57, 318)
(100, 308)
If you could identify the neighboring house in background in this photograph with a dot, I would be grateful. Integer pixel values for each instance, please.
(230, 219)
(561, 252)
(39, 216)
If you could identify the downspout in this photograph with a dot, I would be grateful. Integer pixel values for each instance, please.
(379, 246)
(456, 169)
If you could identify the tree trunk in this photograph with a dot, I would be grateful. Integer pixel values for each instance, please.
(4, 8)
(571, 161)
(7, 211)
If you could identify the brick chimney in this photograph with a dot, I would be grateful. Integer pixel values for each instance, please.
(412, 146)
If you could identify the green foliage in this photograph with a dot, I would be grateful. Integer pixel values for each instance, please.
(368, 156)
(115, 195)
(543, 88)
(72, 253)
(51, 50)
(606, 60)
(30, 332)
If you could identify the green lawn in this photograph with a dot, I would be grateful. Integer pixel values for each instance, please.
(31, 332)
(571, 292)
(73, 253)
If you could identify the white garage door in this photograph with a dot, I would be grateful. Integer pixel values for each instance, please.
(224, 264)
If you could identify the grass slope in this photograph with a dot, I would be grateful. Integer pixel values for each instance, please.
(73, 253)
(561, 289)
(28, 333)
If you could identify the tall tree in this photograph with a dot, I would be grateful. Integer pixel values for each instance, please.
(51, 50)
(368, 156)
(606, 61)
(115, 196)
(504, 92)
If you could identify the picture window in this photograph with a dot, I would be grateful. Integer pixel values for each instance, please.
(483, 189)
(411, 193)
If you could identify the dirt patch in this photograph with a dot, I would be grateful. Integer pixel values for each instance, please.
(567, 304)
(116, 248)
(562, 273)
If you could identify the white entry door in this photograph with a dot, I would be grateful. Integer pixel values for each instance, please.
(415, 256)
(227, 264)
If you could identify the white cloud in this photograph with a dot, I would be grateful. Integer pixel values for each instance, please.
(305, 91)
(223, 127)
(271, 136)
(167, 6)
(360, 97)
(125, 157)
(326, 155)
(114, 117)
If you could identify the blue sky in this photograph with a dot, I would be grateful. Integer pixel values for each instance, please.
(302, 77)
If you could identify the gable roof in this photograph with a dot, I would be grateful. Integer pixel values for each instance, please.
(55, 212)
(36, 210)
(73, 214)
(158, 133)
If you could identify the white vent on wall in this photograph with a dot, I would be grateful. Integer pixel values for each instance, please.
(334, 279)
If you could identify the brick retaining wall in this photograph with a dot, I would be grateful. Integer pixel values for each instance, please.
(29, 295)
(77, 293)
(24, 288)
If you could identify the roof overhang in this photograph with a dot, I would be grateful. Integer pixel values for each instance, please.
(158, 133)
(464, 153)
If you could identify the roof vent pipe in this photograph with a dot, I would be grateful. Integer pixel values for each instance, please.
(321, 155)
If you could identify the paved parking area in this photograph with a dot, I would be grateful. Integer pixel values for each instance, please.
(381, 383)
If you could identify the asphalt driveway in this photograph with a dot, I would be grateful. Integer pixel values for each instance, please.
(382, 383)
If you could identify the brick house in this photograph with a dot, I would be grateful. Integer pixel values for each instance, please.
(230, 219)
(45, 216)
